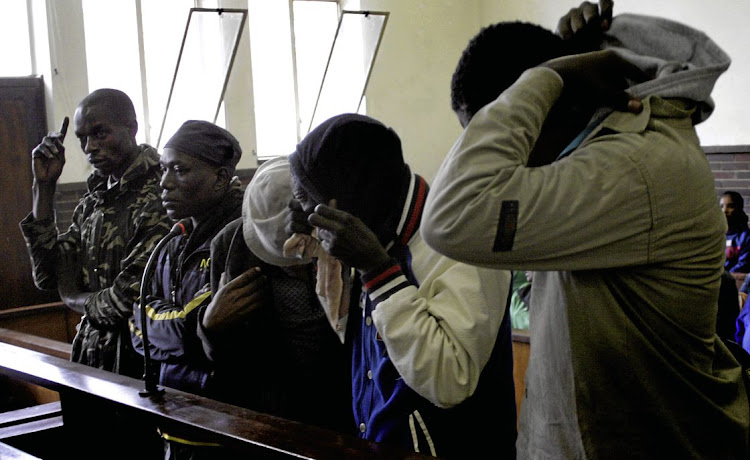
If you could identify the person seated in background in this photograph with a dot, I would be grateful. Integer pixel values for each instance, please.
(742, 326)
(97, 265)
(729, 308)
(199, 187)
(738, 233)
(280, 357)
(432, 369)
(624, 359)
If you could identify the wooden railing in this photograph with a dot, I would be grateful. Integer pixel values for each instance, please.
(48, 328)
(36, 343)
(104, 416)
(50, 320)
(63, 391)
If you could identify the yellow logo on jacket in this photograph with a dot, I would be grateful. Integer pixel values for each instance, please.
(205, 264)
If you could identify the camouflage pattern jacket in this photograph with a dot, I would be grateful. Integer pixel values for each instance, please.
(113, 230)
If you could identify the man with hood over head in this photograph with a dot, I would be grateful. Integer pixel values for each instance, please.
(625, 361)
(431, 365)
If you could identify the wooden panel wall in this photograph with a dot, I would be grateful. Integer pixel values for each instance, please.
(22, 126)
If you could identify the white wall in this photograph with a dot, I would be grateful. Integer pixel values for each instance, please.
(409, 89)
(725, 21)
(410, 86)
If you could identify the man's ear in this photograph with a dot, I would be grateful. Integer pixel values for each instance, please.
(463, 114)
(134, 128)
(223, 178)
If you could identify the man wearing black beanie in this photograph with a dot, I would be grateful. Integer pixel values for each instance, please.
(431, 362)
(200, 190)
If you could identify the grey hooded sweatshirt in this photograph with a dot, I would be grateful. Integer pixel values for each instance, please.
(626, 239)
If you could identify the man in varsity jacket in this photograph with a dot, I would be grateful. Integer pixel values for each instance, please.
(431, 362)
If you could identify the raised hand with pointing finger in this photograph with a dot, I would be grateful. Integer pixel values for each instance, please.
(95, 260)
(48, 158)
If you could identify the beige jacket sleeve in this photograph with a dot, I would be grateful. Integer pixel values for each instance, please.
(487, 208)
(440, 335)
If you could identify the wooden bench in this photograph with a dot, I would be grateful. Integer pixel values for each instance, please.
(11, 453)
(24, 393)
(521, 350)
(53, 321)
(48, 328)
(111, 414)
(32, 342)
(30, 420)
(37, 394)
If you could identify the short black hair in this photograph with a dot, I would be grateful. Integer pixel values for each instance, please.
(119, 105)
(495, 58)
(739, 220)
(737, 199)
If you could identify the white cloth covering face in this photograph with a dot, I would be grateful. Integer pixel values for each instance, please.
(333, 285)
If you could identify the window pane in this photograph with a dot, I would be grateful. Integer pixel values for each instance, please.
(14, 34)
(314, 28)
(350, 64)
(112, 53)
(163, 28)
(273, 77)
(206, 56)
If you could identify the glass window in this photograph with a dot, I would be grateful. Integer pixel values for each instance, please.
(163, 30)
(319, 70)
(14, 29)
(314, 29)
(349, 65)
(273, 77)
(205, 60)
(309, 59)
(112, 53)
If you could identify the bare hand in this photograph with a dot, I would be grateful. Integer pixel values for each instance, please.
(48, 158)
(347, 238)
(598, 79)
(236, 300)
(587, 18)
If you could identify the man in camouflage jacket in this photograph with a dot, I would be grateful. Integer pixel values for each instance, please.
(98, 263)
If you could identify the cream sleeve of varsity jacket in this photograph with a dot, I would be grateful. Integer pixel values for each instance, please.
(440, 334)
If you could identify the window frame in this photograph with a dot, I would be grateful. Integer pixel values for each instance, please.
(235, 46)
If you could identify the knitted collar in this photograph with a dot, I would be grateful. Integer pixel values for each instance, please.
(411, 216)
